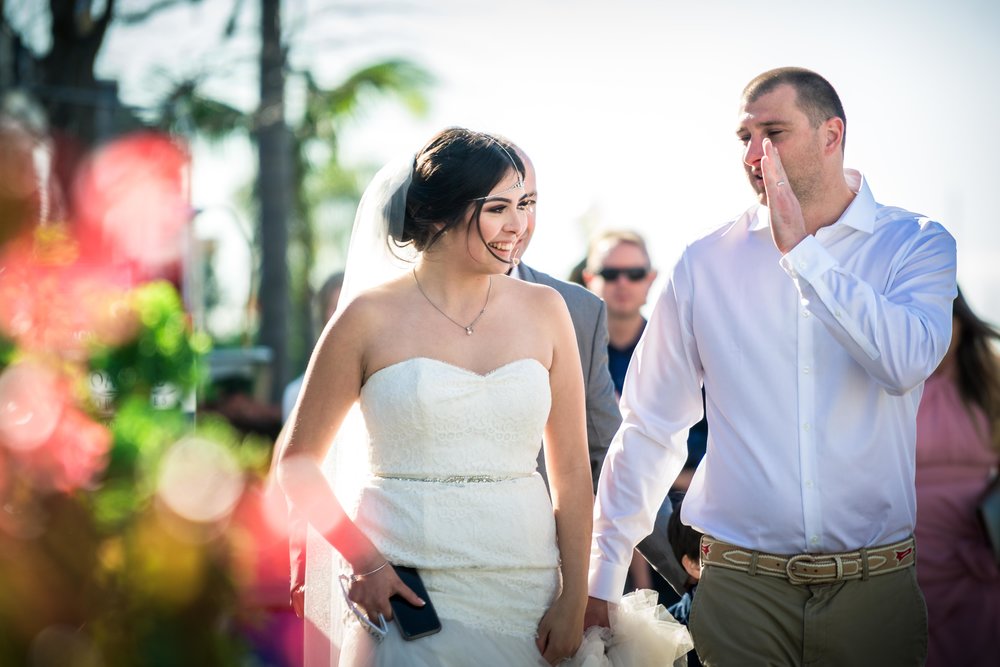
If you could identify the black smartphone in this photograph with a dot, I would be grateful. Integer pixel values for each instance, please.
(414, 622)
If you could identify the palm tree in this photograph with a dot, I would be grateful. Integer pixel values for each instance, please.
(326, 180)
(318, 179)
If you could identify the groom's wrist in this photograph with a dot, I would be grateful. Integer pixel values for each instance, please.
(606, 580)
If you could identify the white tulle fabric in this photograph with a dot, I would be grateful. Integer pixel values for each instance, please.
(643, 634)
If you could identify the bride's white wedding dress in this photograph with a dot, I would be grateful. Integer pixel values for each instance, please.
(452, 490)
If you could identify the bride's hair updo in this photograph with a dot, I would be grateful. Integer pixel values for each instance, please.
(455, 170)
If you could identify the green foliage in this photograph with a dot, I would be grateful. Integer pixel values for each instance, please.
(186, 109)
(163, 353)
(129, 580)
(6, 351)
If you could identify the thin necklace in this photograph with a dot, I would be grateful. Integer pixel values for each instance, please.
(468, 327)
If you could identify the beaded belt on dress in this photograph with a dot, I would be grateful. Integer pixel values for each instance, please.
(453, 479)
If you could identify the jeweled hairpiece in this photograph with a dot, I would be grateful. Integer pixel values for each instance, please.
(520, 180)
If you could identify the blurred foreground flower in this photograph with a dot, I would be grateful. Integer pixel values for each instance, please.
(131, 199)
(120, 536)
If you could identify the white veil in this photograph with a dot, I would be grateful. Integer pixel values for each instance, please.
(373, 258)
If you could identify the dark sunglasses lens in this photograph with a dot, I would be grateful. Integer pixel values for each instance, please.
(633, 274)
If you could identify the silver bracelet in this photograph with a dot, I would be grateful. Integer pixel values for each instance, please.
(354, 577)
(377, 631)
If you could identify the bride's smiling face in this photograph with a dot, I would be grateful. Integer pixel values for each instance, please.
(502, 220)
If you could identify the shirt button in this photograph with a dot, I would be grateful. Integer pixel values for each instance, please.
(805, 427)
(805, 369)
(814, 539)
(836, 313)
(803, 264)
(809, 484)
(805, 313)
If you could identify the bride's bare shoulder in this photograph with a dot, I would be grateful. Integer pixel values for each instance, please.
(373, 305)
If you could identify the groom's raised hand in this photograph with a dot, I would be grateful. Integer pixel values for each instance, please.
(788, 227)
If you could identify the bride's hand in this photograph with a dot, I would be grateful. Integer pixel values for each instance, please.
(560, 631)
(371, 592)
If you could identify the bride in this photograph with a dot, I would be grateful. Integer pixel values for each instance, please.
(459, 372)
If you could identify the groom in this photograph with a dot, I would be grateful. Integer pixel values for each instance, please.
(812, 320)
(590, 320)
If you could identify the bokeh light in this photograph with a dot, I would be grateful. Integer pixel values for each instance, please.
(74, 454)
(131, 199)
(31, 404)
(200, 480)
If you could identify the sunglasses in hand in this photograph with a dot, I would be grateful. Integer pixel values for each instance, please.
(633, 273)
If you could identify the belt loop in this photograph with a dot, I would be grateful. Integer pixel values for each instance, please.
(752, 569)
(864, 563)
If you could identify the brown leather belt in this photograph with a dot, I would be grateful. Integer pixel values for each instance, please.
(810, 568)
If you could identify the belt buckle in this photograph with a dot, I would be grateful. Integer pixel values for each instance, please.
(819, 561)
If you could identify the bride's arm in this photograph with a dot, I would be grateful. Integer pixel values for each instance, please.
(332, 384)
(568, 464)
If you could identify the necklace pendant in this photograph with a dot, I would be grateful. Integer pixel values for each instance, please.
(468, 331)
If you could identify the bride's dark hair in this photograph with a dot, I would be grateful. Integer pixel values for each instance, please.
(457, 168)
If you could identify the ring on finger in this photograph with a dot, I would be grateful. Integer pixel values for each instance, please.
(780, 183)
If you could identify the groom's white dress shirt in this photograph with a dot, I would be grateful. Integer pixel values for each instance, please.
(813, 365)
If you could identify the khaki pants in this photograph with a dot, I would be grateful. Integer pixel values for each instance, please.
(741, 620)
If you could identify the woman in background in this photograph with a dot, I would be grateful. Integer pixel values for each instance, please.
(958, 447)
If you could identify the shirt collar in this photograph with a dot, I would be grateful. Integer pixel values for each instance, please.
(860, 213)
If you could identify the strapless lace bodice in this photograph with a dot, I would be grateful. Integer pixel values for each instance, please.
(427, 418)
(452, 487)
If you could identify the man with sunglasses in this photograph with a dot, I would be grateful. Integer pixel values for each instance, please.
(618, 270)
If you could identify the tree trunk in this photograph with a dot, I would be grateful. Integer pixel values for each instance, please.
(73, 99)
(274, 188)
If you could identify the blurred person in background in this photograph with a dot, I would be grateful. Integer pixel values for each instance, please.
(619, 271)
(958, 448)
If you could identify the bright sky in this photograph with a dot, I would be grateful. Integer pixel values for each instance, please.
(628, 108)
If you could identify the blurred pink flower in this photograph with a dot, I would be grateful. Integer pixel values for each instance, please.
(54, 301)
(73, 455)
(32, 400)
(49, 441)
(132, 201)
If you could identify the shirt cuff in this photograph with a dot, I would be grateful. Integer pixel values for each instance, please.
(808, 260)
(607, 580)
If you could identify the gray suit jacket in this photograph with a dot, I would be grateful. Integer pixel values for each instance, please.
(590, 320)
